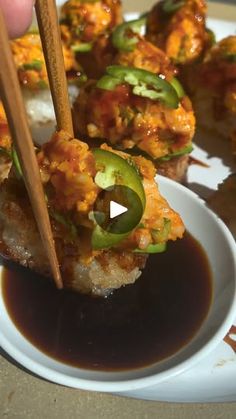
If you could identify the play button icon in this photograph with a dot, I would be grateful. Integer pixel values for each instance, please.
(116, 209)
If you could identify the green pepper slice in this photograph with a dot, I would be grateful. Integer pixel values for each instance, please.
(108, 82)
(42, 84)
(101, 239)
(113, 170)
(33, 31)
(145, 84)
(82, 47)
(161, 236)
(152, 248)
(175, 83)
(12, 155)
(171, 6)
(181, 152)
(34, 65)
(16, 163)
(121, 38)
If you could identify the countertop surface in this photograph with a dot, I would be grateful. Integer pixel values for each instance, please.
(23, 395)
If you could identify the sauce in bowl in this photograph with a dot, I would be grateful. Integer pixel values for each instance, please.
(136, 326)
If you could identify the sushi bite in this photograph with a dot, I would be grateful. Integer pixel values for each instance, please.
(178, 27)
(214, 91)
(86, 27)
(139, 111)
(93, 258)
(29, 60)
(127, 46)
(83, 21)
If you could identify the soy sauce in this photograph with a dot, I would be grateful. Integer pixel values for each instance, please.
(135, 326)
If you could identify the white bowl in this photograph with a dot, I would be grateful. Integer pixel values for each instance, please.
(220, 247)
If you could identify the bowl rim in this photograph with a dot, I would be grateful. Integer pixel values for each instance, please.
(122, 385)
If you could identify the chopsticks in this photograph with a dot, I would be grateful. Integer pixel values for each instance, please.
(13, 103)
(47, 18)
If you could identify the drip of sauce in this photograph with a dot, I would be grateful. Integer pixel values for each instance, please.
(231, 342)
(134, 327)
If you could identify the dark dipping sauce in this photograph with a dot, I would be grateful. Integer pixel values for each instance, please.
(136, 326)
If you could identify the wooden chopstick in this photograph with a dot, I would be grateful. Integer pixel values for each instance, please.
(13, 103)
(47, 18)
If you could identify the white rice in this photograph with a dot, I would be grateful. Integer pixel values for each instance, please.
(40, 112)
(94, 279)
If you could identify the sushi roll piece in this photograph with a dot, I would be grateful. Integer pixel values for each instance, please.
(223, 202)
(28, 56)
(127, 46)
(214, 97)
(139, 111)
(75, 178)
(86, 27)
(83, 21)
(178, 27)
(134, 50)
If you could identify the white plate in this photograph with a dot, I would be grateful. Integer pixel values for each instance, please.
(214, 378)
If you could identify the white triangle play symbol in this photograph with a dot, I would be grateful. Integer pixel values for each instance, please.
(116, 209)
